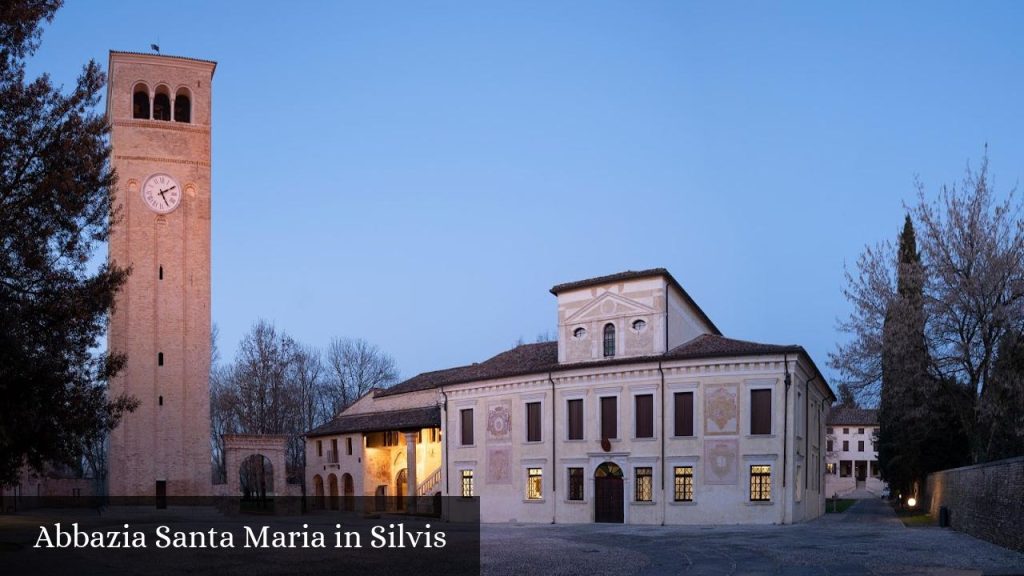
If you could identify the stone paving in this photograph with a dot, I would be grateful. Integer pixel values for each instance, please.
(866, 539)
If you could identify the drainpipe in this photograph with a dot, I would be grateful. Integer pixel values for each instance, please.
(554, 463)
(785, 433)
(444, 448)
(664, 468)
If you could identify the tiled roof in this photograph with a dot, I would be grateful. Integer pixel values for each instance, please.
(844, 416)
(157, 54)
(636, 275)
(543, 357)
(408, 419)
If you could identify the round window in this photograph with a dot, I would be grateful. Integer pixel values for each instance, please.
(579, 333)
(639, 325)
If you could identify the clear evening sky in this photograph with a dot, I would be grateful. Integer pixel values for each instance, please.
(420, 174)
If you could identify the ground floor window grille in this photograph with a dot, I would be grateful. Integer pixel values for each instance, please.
(760, 483)
(644, 484)
(534, 484)
(684, 484)
(575, 483)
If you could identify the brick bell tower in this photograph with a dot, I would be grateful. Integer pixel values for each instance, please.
(159, 110)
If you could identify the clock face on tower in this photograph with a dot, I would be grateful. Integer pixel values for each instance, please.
(161, 193)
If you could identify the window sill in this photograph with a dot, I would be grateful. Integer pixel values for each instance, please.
(575, 440)
(682, 503)
(643, 503)
(760, 503)
(532, 442)
(645, 439)
(690, 437)
(466, 446)
(575, 502)
(533, 500)
(756, 436)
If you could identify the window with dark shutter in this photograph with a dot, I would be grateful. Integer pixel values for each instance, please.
(609, 418)
(645, 416)
(533, 422)
(467, 427)
(760, 411)
(684, 414)
(576, 419)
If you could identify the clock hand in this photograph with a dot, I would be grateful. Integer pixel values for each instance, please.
(164, 197)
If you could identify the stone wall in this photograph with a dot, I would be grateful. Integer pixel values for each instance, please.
(984, 501)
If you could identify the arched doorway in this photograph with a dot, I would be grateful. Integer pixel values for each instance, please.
(608, 493)
(332, 482)
(350, 492)
(256, 478)
(401, 480)
(318, 492)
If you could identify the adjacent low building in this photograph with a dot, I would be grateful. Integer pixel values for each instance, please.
(851, 461)
(641, 412)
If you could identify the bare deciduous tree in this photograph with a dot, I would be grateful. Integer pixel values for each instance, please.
(972, 252)
(354, 367)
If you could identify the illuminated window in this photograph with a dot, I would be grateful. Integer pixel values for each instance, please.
(534, 484)
(467, 483)
(760, 483)
(575, 483)
(644, 484)
(683, 484)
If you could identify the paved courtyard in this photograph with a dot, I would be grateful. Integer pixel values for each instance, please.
(867, 539)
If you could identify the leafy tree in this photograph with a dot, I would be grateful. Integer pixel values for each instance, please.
(55, 184)
(1002, 409)
(971, 268)
(847, 399)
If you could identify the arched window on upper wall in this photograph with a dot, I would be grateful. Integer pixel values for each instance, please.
(609, 340)
(182, 106)
(161, 104)
(140, 102)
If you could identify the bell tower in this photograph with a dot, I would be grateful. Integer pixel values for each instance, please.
(159, 109)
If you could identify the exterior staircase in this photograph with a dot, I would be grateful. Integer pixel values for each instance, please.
(430, 484)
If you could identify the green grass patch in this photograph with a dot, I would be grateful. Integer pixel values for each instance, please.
(913, 518)
(838, 505)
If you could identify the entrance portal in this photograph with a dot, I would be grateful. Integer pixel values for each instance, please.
(608, 493)
(400, 481)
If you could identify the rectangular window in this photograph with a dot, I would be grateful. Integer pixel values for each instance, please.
(828, 445)
(760, 411)
(644, 484)
(830, 468)
(683, 491)
(467, 483)
(609, 417)
(860, 445)
(846, 445)
(760, 483)
(860, 430)
(828, 430)
(320, 448)
(348, 443)
(533, 422)
(334, 450)
(684, 414)
(846, 430)
(644, 416)
(467, 426)
(575, 483)
(576, 419)
(534, 484)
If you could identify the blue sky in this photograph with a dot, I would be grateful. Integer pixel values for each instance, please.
(420, 174)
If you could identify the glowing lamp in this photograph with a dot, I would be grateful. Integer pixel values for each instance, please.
(911, 502)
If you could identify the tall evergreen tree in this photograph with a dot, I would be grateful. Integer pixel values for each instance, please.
(55, 186)
(904, 370)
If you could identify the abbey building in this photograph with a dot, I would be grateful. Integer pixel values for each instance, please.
(641, 412)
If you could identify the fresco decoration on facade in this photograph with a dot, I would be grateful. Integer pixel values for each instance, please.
(499, 465)
(722, 457)
(721, 410)
(499, 421)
